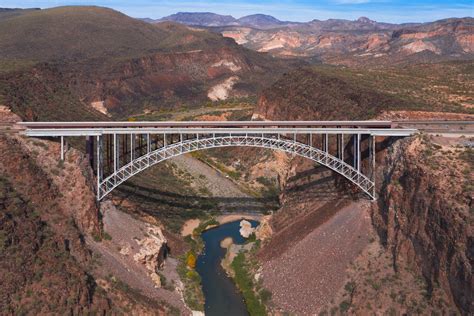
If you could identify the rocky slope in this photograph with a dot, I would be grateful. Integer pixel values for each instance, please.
(44, 259)
(318, 96)
(335, 41)
(424, 214)
(48, 212)
(312, 197)
(94, 62)
(362, 42)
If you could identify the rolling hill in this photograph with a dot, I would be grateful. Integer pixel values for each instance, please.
(75, 33)
(105, 63)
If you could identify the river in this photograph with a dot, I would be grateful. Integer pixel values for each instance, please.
(221, 295)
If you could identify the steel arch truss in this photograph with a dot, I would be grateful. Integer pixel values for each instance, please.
(152, 157)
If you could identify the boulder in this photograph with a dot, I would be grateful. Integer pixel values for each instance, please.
(246, 229)
(264, 231)
(152, 252)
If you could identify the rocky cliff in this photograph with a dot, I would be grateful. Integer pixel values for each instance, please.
(48, 212)
(43, 259)
(424, 213)
(362, 42)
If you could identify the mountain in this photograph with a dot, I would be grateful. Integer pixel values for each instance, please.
(338, 41)
(82, 63)
(208, 19)
(263, 21)
(200, 19)
(75, 33)
(362, 41)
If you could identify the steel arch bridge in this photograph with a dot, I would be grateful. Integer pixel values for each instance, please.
(120, 150)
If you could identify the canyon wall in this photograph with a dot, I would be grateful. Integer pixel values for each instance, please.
(424, 214)
(48, 220)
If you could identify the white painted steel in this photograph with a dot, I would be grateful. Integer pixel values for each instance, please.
(50, 132)
(141, 163)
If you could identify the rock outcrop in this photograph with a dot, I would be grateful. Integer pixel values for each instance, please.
(152, 252)
(43, 259)
(264, 230)
(424, 214)
(362, 42)
(246, 229)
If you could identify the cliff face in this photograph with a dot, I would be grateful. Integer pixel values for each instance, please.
(43, 256)
(39, 274)
(424, 214)
(48, 212)
(362, 42)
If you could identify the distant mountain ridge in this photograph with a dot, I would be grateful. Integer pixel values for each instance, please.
(339, 41)
(209, 19)
(200, 19)
(264, 21)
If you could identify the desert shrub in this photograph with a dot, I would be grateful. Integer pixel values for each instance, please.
(244, 282)
(191, 260)
(265, 295)
(107, 236)
(344, 306)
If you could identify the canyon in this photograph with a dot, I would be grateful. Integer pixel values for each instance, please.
(323, 248)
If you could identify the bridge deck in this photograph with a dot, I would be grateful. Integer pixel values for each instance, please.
(376, 128)
(209, 124)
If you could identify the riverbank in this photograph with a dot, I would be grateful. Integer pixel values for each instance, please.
(242, 267)
(190, 225)
(221, 296)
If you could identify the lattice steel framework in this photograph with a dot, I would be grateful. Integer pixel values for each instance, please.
(158, 151)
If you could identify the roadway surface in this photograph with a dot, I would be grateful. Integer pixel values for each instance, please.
(379, 128)
(376, 128)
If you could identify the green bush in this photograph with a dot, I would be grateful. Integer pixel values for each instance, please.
(344, 306)
(107, 236)
(245, 283)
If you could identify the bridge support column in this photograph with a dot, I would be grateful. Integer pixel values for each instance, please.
(374, 152)
(115, 148)
(326, 143)
(132, 146)
(90, 151)
(358, 152)
(98, 158)
(62, 148)
(354, 151)
(342, 147)
(148, 147)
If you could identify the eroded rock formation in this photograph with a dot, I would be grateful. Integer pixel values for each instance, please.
(424, 214)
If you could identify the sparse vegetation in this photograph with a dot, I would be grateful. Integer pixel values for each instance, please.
(193, 295)
(245, 283)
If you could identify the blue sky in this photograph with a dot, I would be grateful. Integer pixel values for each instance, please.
(294, 10)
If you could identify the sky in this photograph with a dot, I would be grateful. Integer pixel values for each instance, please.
(393, 11)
